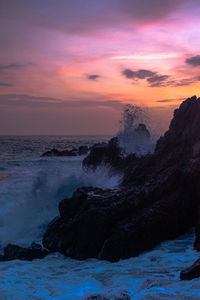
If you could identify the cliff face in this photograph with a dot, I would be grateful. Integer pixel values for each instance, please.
(182, 140)
(157, 200)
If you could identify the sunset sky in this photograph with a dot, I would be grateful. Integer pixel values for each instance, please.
(69, 66)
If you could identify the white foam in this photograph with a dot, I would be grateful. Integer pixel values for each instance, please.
(29, 201)
(153, 275)
(130, 138)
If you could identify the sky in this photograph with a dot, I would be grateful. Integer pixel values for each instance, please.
(70, 66)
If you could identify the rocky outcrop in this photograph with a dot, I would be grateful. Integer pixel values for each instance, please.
(158, 198)
(82, 150)
(105, 153)
(12, 252)
(111, 154)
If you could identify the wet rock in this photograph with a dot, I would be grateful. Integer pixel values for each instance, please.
(142, 131)
(104, 153)
(192, 272)
(82, 150)
(114, 156)
(55, 152)
(158, 198)
(12, 252)
(2, 257)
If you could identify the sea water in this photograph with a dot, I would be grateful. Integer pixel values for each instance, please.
(31, 187)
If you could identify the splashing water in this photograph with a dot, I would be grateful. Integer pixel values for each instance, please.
(34, 186)
(134, 137)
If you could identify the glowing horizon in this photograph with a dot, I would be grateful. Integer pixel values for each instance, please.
(60, 61)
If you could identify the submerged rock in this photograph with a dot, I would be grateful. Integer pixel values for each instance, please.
(82, 150)
(157, 199)
(12, 252)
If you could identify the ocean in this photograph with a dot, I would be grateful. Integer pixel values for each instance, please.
(31, 187)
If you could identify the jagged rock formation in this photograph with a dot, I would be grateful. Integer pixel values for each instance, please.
(105, 153)
(157, 200)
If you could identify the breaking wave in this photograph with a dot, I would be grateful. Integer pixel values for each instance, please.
(29, 201)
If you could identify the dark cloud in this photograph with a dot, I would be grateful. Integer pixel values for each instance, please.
(186, 81)
(10, 67)
(129, 73)
(165, 100)
(83, 16)
(194, 60)
(176, 82)
(6, 84)
(158, 80)
(149, 10)
(93, 77)
(181, 82)
(170, 100)
(140, 74)
(154, 79)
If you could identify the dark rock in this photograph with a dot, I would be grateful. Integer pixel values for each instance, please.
(82, 150)
(112, 155)
(16, 252)
(142, 131)
(158, 198)
(2, 257)
(104, 153)
(55, 152)
(192, 272)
